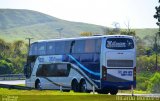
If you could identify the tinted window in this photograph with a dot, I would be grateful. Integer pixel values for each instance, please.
(53, 70)
(33, 49)
(119, 43)
(78, 47)
(50, 48)
(41, 48)
(90, 45)
(27, 70)
(98, 45)
(59, 47)
(67, 47)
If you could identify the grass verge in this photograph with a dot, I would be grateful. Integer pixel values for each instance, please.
(55, 95)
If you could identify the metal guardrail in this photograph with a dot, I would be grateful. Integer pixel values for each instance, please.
(15, 87)
(12, 77)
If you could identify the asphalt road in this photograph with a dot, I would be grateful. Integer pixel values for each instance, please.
(14, 82)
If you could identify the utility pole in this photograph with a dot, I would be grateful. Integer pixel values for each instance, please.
(29, 43)
(157, 16)
(59, 30)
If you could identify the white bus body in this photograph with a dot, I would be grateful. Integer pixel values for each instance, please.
(107, 63)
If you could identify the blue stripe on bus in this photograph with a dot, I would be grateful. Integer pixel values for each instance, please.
(83, 67)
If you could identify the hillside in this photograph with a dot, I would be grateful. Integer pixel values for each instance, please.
(19, 24)
(146, 32)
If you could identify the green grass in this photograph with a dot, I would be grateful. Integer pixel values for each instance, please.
(53, 95)
(135, 92)
(43, 95)
(21, 85)
(141, 92)
(4, 91)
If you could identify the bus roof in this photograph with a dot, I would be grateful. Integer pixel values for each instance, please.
(88, 37)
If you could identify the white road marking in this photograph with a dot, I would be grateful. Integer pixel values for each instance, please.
(144, 95)
(14, 82)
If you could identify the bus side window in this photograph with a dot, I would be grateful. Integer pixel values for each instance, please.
(98, 45)
(79, 46)
(68, 68)
(41, 48)
(33, 49)
(39, 71)
(90, 46)
(53, 70)
(62, 70)
(50, 48)
(67, 47)
(59, 47)
(27, 70)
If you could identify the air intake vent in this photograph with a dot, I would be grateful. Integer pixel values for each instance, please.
(119, 63)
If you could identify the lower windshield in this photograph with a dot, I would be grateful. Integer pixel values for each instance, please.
(119, 43)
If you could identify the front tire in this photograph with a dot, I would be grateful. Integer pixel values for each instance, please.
(38, 85)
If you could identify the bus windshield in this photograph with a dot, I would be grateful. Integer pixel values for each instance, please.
(119, 43)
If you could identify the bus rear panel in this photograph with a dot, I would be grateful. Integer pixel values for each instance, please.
(119, 67)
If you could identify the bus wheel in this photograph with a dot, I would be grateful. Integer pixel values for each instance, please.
(113, 91)
(66, 90)
(105, 91)
(83, 86)
(75, 86)
(38, 85)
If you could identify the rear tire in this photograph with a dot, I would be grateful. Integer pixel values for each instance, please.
(66, 90)
(113, 91)
(83, 86)
(105, 91)
(75, 86)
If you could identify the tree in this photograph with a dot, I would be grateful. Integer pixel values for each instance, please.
(132, 33)
(86, 34)
(116, 28)
(157, 16)
(128, 31)
(128, 26)
(18, 48)
(154, 85)
(4, 49)
(12, 56)
(19, 54)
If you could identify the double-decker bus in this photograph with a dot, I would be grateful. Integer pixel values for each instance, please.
(107, 63)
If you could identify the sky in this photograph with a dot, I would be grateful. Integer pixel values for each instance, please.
(138, 13)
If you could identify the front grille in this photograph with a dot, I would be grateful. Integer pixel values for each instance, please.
(120, 63)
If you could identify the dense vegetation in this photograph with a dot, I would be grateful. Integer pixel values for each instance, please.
(12, 57)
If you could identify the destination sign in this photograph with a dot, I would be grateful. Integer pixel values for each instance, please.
(113, 44)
